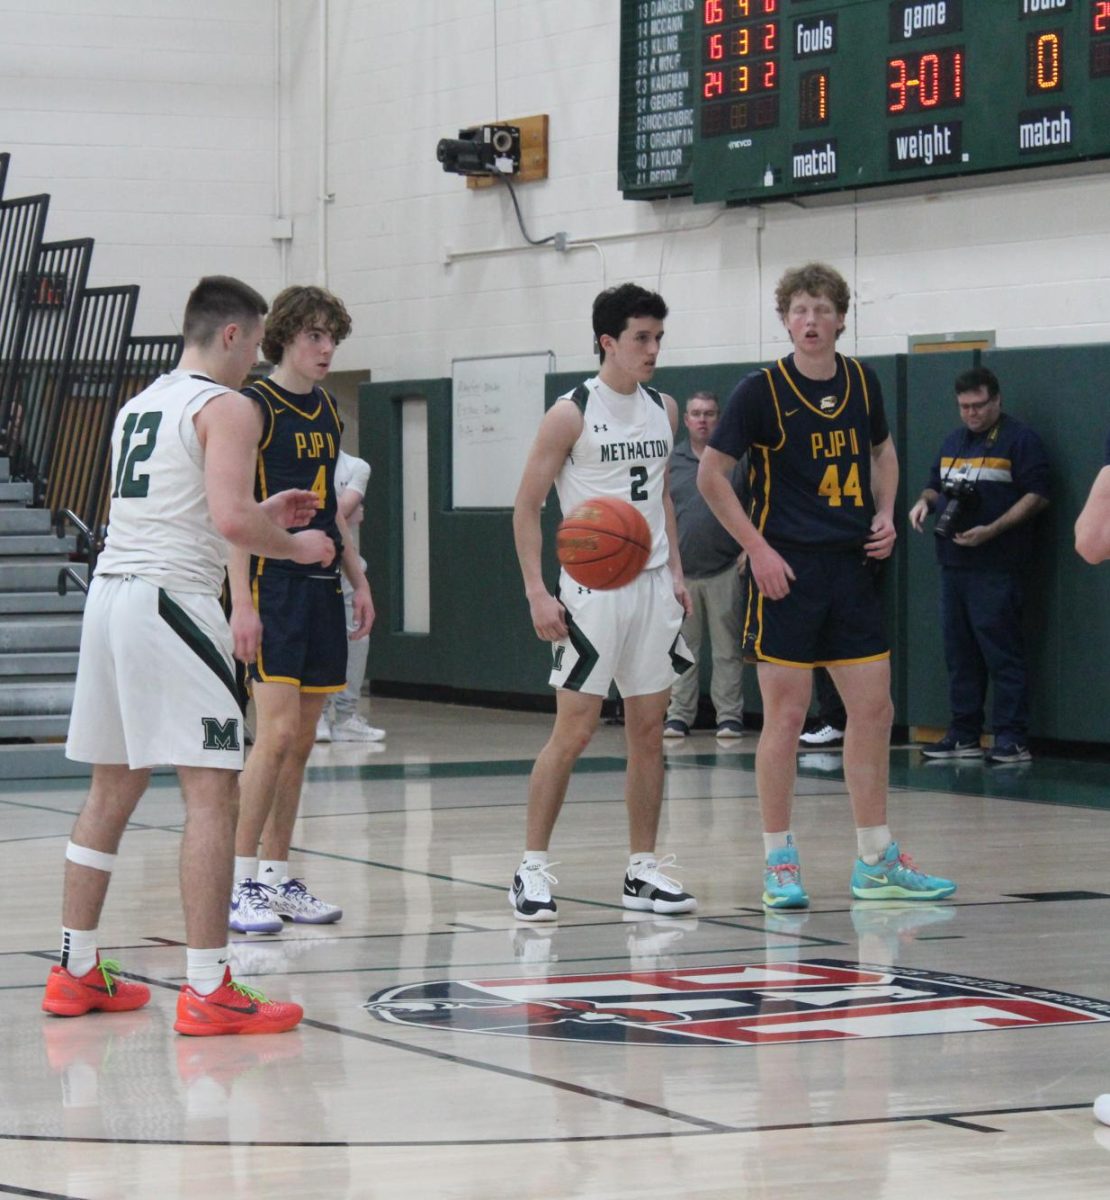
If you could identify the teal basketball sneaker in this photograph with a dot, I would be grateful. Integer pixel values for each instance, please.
(896, 877)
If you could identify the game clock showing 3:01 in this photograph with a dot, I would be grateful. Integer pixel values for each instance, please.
(751, 100)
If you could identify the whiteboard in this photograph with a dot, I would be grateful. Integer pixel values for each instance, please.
(496, 408)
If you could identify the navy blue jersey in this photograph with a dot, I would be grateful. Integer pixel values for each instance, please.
(809, 443)
(299, 449)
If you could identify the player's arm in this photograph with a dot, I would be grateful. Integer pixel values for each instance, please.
(884, 488)
(350, 500)
(674, 560)
(1092, 530)
(771, 572)
(228, 428)
(559, 430)
(362, 603)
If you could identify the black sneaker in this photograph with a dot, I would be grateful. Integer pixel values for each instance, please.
(1007, 753)
(950, 746)
(675, 728)
(649, 890)
(530, 894)
(730, 730)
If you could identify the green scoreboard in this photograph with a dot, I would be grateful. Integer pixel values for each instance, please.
(750, 100)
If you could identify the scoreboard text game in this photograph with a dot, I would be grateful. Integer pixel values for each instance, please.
(749, 100)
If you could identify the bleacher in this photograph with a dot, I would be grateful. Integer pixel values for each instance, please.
(68, 361)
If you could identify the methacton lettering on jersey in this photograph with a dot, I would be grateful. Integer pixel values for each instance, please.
(623, 451)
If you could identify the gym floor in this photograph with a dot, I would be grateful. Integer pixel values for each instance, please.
(939, 1050)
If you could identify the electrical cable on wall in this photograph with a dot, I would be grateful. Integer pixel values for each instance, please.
(520, 219)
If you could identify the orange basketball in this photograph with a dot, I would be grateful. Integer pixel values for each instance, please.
(603, 543)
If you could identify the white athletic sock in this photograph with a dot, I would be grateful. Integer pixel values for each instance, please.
(271, 871)
(636, 861)
(245, 868)
(78, 951)
(872, 841)
(205, 969)
(776, 841)
(535, 856)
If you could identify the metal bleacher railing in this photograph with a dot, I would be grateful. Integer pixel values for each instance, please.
(68, 361)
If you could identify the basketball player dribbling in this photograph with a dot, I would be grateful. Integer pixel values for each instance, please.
(155, 680)
(824, 480)
(612, 436)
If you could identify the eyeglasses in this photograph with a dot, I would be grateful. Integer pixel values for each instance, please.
(975, 406)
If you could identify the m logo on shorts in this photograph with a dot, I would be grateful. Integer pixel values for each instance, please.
(220, 735)
(559, 651)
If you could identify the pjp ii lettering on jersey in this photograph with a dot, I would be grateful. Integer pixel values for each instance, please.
(833, 443)
(312, 445)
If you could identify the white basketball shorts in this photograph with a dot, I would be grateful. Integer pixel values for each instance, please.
(155, 680)
(630, 636)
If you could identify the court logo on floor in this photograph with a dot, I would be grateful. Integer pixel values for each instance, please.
(742, 1005)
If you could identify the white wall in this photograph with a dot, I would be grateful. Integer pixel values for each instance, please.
(152, 125)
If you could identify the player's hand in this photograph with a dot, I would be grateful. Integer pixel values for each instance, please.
(291, 509)
(313, 546)
(918, 514)
(771, 572)
(682, 595)
(362, 606)
(246, 632)
(975, 536)
(548, 618)
(881, 542)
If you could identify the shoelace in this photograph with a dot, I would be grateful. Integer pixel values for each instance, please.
(786, 872)
(295, 886)
(907, 864)
(529, 873)
(255, 893)
(110, 971)
(652, 872)
(250, 993)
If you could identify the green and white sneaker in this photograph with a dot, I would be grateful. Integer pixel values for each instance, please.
(896, 877)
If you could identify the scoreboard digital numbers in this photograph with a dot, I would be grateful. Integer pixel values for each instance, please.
(750, 100)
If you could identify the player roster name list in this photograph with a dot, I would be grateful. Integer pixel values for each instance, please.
(658, 94)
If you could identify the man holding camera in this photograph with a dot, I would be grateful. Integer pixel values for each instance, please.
(990, 478)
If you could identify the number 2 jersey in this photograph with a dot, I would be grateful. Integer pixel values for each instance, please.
(809, 444)
(299, 449)
(159, 526)
(622, 452)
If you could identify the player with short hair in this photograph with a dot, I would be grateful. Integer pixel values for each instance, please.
(155, 682)
(611, 436)
(287, 619)
(824, 479)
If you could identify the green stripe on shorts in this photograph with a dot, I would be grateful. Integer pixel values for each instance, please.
(197, 640)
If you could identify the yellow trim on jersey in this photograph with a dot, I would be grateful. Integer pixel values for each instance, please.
(831, 662)
(778, 411)
(831, 414)
(308, 416)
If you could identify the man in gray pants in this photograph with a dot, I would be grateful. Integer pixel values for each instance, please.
(714, 568)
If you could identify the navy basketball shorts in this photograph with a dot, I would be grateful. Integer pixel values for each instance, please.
(304, 631)
(831, 617)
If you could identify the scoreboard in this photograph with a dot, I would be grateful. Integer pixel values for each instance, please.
(750, 100)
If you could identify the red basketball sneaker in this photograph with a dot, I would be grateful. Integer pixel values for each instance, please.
(101, 988)
(232, 1008)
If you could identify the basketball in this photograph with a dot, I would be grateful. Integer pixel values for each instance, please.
(603, 543)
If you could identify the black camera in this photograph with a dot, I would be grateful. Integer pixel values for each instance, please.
(481, 150)
(963, 499)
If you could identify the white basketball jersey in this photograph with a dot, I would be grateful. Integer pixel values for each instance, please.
(622, 452)
(159, 526)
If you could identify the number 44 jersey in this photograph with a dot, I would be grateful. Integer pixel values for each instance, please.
(159, 526)
(622, 452)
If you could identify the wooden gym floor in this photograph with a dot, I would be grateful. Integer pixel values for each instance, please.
(858, 1052)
